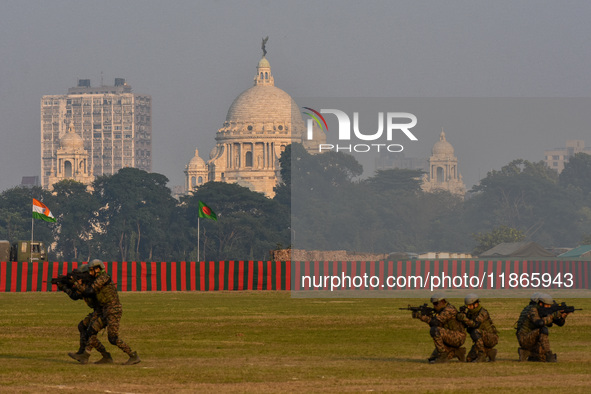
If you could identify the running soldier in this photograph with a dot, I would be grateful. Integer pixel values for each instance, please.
(481, 329)
(110, 313)
(532, 329)
(447, 332)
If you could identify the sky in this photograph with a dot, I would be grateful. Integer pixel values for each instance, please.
(195, 57)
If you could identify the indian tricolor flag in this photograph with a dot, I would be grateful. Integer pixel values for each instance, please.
(40, 211)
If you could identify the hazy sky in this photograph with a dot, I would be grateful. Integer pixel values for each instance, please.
(195, 57)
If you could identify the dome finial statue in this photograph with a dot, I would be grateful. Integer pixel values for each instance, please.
(264, 45)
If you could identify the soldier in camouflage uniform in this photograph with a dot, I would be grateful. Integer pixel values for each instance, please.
(447, 332)
(110, 315)
(481, 329)
(532, 329)
(84, 323)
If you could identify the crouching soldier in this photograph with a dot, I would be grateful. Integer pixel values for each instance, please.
(82, 275)
(105, 292)
(532, 329)
(481, 329)
(447, 332)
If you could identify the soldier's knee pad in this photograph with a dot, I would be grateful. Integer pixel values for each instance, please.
(434, 331)
(544, 330)
(475, 334)
(113, 339)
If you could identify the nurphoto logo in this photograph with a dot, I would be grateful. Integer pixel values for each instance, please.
(395, 122)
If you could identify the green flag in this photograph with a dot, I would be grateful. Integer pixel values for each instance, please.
(206, 212)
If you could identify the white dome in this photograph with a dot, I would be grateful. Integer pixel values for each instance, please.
(71, 140)
(196, 162)
(262, 104)
(442, 147)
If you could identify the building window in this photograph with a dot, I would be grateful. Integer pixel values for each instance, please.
(248, 159)
(68, 169)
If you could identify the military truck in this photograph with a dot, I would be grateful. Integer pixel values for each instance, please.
(22, 251)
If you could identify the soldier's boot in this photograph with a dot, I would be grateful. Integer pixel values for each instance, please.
(442, 358)
(551, 357)
(133, 359)
(492, 354)
(81, 358)
(460, 353)
(471, 355)
(523, 354)
(480, 357)
(107, 359)
(433, 355)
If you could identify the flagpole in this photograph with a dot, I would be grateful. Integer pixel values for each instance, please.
(31, 245)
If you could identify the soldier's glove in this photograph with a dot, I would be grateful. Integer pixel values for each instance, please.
(461, 316)
(88, 292)
(416, 314)
(539, 323)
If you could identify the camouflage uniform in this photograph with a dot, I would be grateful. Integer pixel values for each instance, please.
(85, 323)
(448, 334)
(109, 315)
(532, 332)
(483, 332)
(74, 294)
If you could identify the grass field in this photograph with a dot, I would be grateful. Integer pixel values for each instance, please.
(269, 342)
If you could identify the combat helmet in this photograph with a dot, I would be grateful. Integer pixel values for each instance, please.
(436, 297)
(546, 298)
(471, 299)
(95, 263)
(535, 297)
(83, 268)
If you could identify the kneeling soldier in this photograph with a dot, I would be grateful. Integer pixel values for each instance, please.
(481, 329)
(532, 329)
(447, 332)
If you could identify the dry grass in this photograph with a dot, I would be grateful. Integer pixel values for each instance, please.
(270, 342)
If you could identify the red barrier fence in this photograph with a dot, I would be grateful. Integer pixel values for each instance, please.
(156, 276)
(278, 275)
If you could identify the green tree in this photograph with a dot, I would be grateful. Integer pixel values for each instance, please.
(396, 180)
(76, 214)
(16, 215)
(577, 173)
(136, 209)
(526, 196)
(249, 224)
(496, 236)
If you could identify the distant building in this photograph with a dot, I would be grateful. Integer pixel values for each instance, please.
(259, 125)
(388, 161)
(557, 158)
(30, 181)
(443, 173)
(114, 125)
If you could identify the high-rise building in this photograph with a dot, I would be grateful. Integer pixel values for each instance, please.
(115, 126)
(558, 157)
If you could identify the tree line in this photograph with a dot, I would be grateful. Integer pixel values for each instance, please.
(320, 204)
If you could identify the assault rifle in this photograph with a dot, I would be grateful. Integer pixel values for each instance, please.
(68, 279)
(562, 308)
(424, 309)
